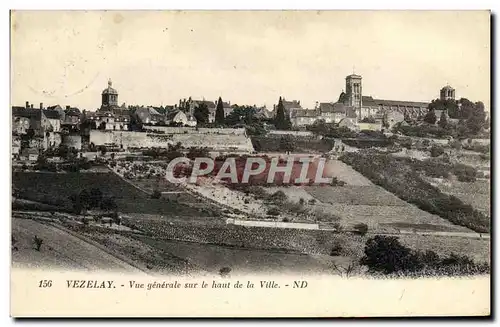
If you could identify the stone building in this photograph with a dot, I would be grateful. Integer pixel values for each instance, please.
(109, 98)
(447, 93)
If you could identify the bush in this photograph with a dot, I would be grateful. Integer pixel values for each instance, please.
(273, 212)
(224, 271)
(336, 250)
(385, 254)
(337, 182)
(465, 173)
(156, 194)
(38, 242)
(361, 229)
(279, 197)
(436, 151)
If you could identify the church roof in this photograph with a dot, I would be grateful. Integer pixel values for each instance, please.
(332, 107)
(447, 87)
(109, 89)
(304, 113)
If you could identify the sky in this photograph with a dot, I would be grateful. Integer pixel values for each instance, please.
(246, 57)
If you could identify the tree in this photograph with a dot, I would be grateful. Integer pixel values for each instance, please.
(241, 115)
(443, 121)
(282, 121)
(449, 105)
(436, 151)
(430, 117)
(219, 112)
(109, 204)
(286, 144)
(103, 150)
(361, 229)
(369, 120)
(95, 197)
(476, 119)
(386, 255)
(385, 121)
(201, 114)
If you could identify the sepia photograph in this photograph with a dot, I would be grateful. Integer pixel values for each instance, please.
(214, 145)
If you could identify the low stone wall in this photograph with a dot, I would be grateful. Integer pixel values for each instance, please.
(293, 133)
(275, 224)
(218, 142)
(194, 130)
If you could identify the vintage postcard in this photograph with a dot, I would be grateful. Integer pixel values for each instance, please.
(250, 163)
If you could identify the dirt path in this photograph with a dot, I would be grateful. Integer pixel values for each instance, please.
(59, 250)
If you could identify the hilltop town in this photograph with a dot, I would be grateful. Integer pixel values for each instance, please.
(417, 172)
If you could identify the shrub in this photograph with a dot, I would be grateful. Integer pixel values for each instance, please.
(156, 194)
(436, 151)
(337, 182)
(384, 254)
(465, 173)
(224, 271)
(38, 242)
(361, 229)
(336, 249)
(278, 197)
(273, 212)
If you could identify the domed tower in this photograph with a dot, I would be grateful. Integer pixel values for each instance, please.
(109, 97)
(447, 93)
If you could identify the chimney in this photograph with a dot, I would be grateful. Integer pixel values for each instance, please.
(31, 106)
(41, 105)
(67, 107)
(27, 104)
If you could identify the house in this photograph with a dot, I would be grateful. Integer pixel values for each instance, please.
(181, 118)
(40, 120)
(262, 113)
(20, 125)
(106, 120)
(29, 154)
(72, 116)
(349, 122)
(335, 112)
(149, 116)
(304, 117)
(16, 146)
(290, 106)
(59, 109)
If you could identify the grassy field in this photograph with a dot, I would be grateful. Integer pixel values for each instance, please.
(406, 179)
(477, 193)
(55, 188)
(355, 195)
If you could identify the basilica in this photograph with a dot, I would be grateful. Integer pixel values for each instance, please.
(353, 108)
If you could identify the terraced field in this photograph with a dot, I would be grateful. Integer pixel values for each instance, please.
(477, 194)
(361, 201)
(55, 188)
(355, 195)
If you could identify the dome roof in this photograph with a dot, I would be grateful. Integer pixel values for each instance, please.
(447, 87)
(109, 89)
